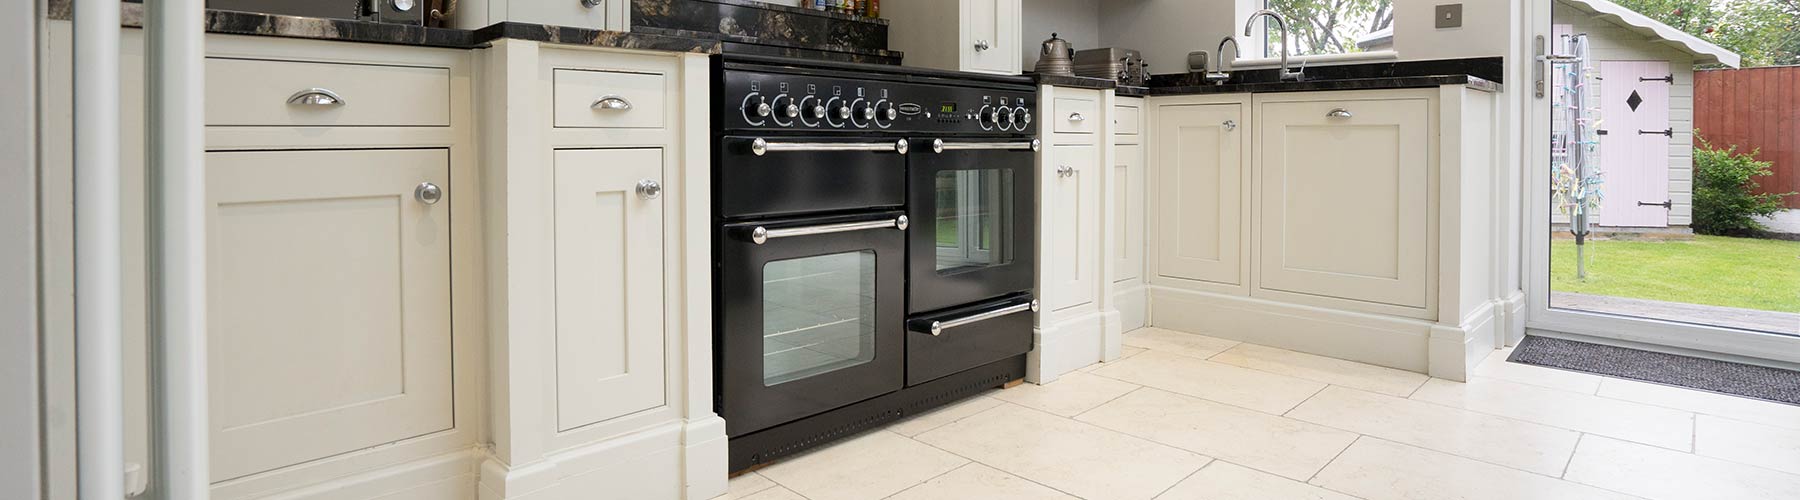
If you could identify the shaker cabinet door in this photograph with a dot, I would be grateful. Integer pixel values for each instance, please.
(1344, 196)
(1128, 212)
(328, 282)
(1200, 192)
(609, 284)
(990, 36)
(1071, 226)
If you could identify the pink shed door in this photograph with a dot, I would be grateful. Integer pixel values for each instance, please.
(1634, 152)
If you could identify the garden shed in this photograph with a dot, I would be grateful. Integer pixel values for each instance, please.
(1645, 95)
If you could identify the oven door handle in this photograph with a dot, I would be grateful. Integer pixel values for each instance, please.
(936, 328)
(760, 235)
(760, 146)
(939, 146)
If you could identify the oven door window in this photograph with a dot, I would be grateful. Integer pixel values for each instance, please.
(974, 219)
(818, 315)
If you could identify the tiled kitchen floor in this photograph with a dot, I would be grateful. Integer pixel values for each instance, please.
(1184, 416)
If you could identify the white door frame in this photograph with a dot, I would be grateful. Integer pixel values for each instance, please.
(1688, 338)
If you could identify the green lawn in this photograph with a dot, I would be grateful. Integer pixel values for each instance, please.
(1713, 270)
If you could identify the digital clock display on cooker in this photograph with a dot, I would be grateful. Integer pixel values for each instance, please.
(948, 107)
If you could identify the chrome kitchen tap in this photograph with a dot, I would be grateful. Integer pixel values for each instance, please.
(1220, 76)
(1279, 23)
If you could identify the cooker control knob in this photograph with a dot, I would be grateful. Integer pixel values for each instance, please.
(1022, 117)
(811, 110)
(755, 109)
(884, 113)
(836, 112)
(1004, 116)
(861, 113)
(785, 110)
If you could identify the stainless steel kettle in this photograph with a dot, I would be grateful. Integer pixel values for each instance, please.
(1056, 58)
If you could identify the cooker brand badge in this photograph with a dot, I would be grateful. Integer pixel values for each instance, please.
(910, 109)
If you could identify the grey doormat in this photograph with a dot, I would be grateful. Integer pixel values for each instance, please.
(1737, 379)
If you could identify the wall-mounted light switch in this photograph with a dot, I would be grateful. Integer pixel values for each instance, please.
(1449, 16)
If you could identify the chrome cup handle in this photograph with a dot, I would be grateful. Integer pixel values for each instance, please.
(613, 102)
(316, 97)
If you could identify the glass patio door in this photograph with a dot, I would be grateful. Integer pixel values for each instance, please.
(1625, 191)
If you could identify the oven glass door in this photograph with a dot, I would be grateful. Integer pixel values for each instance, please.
(978, 243)
(812, 316)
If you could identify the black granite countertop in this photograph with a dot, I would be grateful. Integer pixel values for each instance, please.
(1080, 82)
(1399, 82)
(1480, 73)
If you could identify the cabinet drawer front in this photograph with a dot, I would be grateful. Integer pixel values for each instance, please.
(609, 99)
(329, 304)
(1345, 196)
(1076, 115)
(1127, 120)
(609, 288)
(254, 92)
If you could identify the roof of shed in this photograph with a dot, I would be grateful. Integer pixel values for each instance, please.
(1704, 52)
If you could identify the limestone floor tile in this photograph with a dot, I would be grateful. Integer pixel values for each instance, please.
(1322, 369)
(1642, 423)
(1379, 469)
(745, 485)
(775, 493)
(1223, 480)
(1068, 395)
(1660, 474)
(1074, 457)
(1183, 343)
(1266, 442)
(1124, 352)
(1732, 407)
(1496, 367)
(1748, 443)
(1504, 441)
(952, 412)
(983, 482)
(873, 465)
(1256, 390)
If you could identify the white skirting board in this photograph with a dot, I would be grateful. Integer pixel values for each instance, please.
(1071, 344)
(673, 461)
(1133, 302)
(1402, 343)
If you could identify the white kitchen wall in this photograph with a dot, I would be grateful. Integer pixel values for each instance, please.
(1077, 21)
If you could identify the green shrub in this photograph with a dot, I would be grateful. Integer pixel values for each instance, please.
(1724, 191)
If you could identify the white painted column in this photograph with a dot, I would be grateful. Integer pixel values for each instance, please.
(175, 33)
(99, 358)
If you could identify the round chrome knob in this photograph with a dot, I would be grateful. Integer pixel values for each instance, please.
(987, 117)
(836, 112)
(755, 109)
(892, 113)
(763, 109)
(811, 111)
(884, 113)
(791, 111)
(784, 110)
(649, 189)
(428, 193)
(861, 113)
(1022, 116)
(818, 112)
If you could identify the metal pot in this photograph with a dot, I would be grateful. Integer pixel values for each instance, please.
(1056, 58)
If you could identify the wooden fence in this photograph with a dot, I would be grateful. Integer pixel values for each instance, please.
(1755, 108)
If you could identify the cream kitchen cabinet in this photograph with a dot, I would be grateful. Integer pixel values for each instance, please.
(1199, 145)
(1127, 223)
(1342, 198)
(987, 33)
(598, 274)
(609, 288)
(1079, 324)
(1071, 194)
(329, 284)
(1354, 224)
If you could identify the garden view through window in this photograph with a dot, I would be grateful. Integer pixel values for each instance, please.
(1674, 162)
(1330, 26)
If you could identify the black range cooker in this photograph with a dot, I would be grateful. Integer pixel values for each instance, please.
(874, 254)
